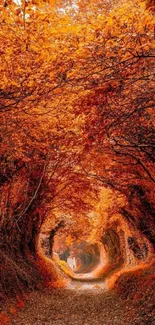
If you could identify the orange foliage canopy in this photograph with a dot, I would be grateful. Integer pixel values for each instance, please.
(76, 105)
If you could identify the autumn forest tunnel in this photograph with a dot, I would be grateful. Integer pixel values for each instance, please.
(77, 153)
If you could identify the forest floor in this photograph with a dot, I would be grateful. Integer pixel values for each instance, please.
(82, 304)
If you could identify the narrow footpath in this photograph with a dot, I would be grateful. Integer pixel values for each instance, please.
(81, 305)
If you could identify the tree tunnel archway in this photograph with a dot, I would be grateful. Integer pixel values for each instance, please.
(83, 258)
(120, 247)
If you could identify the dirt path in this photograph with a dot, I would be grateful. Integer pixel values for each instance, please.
(78, 307)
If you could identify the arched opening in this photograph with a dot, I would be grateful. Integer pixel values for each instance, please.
(80, 256)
